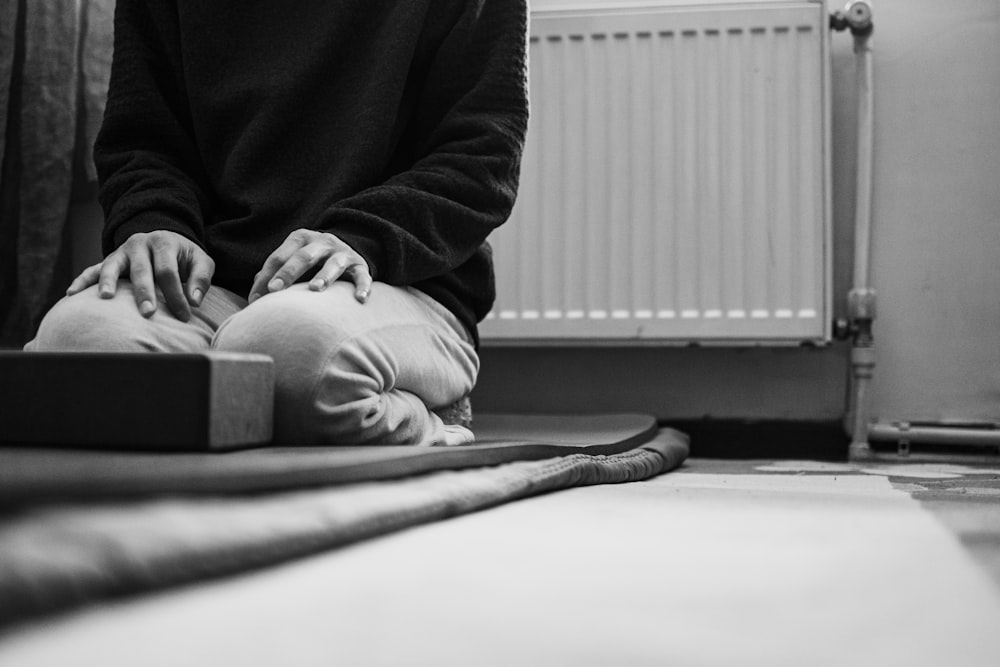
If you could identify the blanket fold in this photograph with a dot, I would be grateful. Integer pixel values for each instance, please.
(59, 556)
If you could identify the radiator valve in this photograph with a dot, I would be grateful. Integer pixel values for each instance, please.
(861, 304)
(856, 17)
(861, 313)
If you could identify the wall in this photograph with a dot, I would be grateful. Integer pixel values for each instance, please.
(937, 209)
(936, 244)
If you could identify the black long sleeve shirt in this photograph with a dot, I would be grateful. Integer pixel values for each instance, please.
(396, 125)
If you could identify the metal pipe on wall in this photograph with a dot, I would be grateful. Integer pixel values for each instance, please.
(949, 435)
(857, 16)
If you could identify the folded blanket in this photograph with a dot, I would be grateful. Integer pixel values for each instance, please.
(58, 556)
(30, 474)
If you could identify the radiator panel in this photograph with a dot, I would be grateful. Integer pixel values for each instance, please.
(675, 179)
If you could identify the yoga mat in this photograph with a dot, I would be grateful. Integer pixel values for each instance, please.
(56, 556)
(30, 474)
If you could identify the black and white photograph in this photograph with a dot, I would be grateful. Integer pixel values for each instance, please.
(496, 333)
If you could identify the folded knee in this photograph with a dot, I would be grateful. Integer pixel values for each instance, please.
(289, 326)
(86, 323)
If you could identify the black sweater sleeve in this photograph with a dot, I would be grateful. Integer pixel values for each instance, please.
(145, 154)
(470, 122)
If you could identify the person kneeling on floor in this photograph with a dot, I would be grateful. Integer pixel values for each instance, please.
(313, 182)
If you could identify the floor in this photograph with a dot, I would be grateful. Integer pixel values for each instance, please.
(965, 499)
(719, 563)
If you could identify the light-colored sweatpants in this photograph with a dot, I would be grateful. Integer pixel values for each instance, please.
(346, 372)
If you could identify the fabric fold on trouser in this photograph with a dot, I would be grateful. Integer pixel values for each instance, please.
(352, 373)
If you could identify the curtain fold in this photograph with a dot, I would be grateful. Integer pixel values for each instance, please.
(8, 29)
(54, 68)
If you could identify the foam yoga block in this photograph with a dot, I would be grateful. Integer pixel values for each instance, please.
(170, 402)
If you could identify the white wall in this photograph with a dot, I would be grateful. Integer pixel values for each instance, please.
(937, 209)
(936, 246)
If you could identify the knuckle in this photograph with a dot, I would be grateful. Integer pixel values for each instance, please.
(304, 255)
(163, 236)
(160, 242)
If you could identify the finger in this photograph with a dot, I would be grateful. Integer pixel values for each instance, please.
(199, 277)
(87, 277)
(168, 279)
(343, 264)
(332, 269)
(362, 278)
(141, 274)
(301, 261)
(112, 268)
(274, 262)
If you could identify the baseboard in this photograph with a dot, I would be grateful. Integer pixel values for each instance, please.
(771, 439)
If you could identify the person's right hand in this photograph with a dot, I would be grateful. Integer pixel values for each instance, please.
(154, 259)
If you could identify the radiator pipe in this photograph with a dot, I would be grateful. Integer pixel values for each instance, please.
(859, 18)
(904, 432)
(861, 300)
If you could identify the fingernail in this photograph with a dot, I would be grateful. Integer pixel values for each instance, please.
(196, 296)
(276, 285)
(146, 308)
(317, 284)
(106, 292)
(253, 297)
(363, 296)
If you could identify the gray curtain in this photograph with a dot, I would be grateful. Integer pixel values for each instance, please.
(55, 60)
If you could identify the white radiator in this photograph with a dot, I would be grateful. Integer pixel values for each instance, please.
(675, 182)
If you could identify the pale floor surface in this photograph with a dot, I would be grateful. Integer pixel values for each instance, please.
(721, 563)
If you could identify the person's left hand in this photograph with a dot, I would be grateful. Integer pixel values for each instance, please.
(305, 249)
